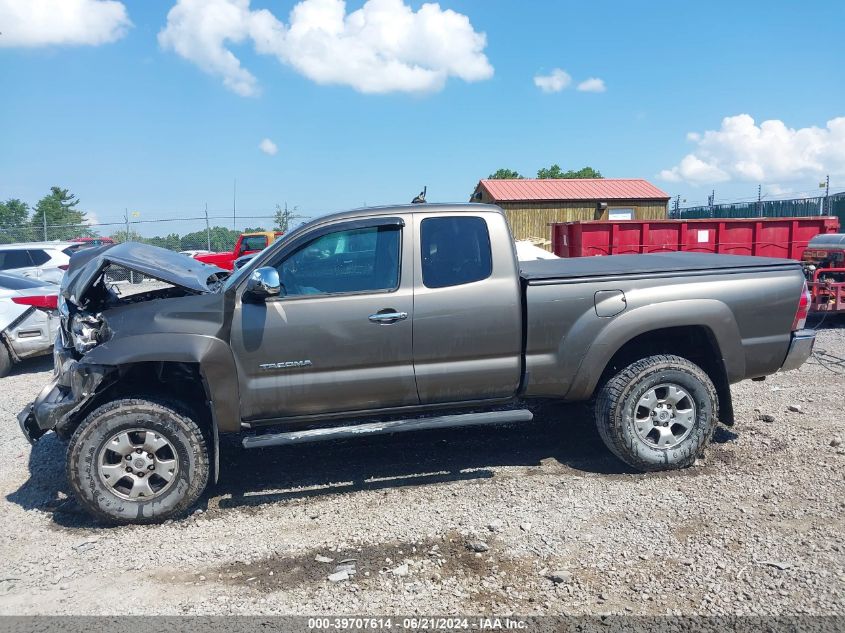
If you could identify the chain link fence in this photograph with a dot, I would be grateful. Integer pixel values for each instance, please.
(176, 234)
(796, 207)
(189, 235)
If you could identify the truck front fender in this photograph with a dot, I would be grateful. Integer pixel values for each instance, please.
(211, 354)
(711, 314)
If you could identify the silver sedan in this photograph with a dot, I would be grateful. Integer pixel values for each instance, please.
(28, 318)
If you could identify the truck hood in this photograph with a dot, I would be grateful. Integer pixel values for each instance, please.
(168, 266)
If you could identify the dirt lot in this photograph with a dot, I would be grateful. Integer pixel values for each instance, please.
(756, 527)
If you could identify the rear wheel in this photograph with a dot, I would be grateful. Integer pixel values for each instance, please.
(658, 413)
(138, 461)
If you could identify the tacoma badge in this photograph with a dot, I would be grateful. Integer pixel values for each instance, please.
(287, 364)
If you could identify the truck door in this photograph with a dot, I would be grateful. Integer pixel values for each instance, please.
(340, 338)
(467, 309)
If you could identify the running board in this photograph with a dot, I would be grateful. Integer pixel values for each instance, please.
(381, 428)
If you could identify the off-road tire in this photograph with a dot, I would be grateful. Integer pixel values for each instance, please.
(166, 418)
(616, 406)
(5, 360)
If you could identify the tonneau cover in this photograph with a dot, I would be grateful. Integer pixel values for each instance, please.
(614, 265)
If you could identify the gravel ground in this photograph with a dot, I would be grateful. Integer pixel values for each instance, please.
(538, 519)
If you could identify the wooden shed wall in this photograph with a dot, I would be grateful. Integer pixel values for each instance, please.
(530, 220)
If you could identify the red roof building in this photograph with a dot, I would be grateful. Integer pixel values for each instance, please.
(532, 204)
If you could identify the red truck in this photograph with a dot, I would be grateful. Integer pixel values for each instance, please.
(247, 244)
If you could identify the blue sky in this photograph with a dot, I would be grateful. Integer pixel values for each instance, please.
(132, 123)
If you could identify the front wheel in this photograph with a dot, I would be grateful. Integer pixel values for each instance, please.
(137, 461)
(658, 413)
(5, 360)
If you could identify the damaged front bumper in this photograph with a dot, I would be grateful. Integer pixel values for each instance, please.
(72, 386)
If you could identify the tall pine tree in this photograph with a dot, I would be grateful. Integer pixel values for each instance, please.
(58, 210)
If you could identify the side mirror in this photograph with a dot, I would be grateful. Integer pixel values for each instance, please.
(264, 283)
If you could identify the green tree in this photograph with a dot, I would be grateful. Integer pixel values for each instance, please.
(64, 221)
(505, 174)
(222, 239)
(123, 236)
(172, 242)
(14, 221)
(284, 218)
(556, 172)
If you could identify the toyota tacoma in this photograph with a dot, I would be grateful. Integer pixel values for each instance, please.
(383, 320)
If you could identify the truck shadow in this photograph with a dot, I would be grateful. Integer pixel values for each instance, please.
(562, 441)
(32, 365)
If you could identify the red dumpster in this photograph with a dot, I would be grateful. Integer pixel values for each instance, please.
(767, 237)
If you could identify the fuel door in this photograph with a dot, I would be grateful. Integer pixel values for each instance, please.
(610, 302)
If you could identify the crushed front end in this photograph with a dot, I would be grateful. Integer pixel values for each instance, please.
(88, 298)
(73, 383)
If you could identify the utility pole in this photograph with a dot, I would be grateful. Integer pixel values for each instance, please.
(826, 195)
(126, 219)
(760, 201)
(711, 199)
(45, 225)
(234, 201)
(677, 204)
(207, 228)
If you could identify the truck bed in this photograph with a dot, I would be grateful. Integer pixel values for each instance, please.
(660, 264)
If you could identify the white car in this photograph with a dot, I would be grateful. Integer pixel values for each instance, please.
(41, 260)
(28, 318)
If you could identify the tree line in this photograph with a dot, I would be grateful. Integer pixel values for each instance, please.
(57, 216)
(547, 173)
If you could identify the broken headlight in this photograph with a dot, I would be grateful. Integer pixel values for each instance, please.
(85, 332)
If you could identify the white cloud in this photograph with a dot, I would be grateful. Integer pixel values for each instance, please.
(767, 153)
(382, 47)
(268, 147)
(593, 84)
(693, 169)
(776, 190)
(30, 23)
(555, 81)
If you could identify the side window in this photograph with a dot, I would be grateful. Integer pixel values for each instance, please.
(455, 251)
(38, 257)
(12, 259)
(355, 260)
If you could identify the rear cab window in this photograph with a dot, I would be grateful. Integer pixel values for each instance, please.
(253, 243)
(455, 251)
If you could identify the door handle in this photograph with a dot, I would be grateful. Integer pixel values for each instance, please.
(388, 317)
